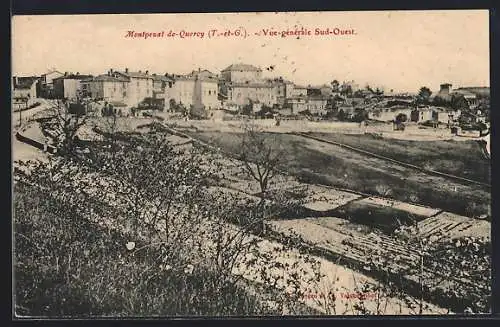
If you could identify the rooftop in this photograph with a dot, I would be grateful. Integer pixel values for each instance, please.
(108, 78)
(138, 74)
(242, 67)
(24, 82)
(52, 71)
(162, 78)
(74, 76)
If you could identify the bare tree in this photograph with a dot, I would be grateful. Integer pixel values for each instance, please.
(63, 127)
(261, 154)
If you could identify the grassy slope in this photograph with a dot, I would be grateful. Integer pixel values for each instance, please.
(67, 266)
(317, 167)
(461, 158)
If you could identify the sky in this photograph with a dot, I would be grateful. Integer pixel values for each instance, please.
(399, 50)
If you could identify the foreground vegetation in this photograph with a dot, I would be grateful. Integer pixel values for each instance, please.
(132, 227)
(69, 266)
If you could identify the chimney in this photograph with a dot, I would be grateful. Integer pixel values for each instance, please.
(65, 73)
(126, 70)
(147, 71)
(140, 71)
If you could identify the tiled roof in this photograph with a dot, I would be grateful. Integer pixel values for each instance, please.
(162, 78)
(52, 71)
(239, 67)
(74, 76)
(136, 74)
(191, 77)
(107, 78)
(24, 82)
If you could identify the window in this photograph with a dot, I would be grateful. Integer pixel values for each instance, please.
(209, 92)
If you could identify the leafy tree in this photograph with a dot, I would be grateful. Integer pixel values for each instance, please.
(247, 109)
(346, 90)
(360, 115)
(401, 118)
(379, 91)
(335, 85)
(458, 102)
(424, 95)
(439, 101)
(341, 115)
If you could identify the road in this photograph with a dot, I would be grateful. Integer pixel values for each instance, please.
(27, 114)
(20, 150)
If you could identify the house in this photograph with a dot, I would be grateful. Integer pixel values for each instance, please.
(242, 84)
(129, 88)
(198, 89)
(46, 83)
(245, 93)
(284, 89)
(470, 97)
(445, 115)
(69, 86)
(347, 110)
(24, 92)
(140, 86)
(421, 115)
(316, 105)
(162, 89)
(241, 73)
(444, 91)
(299, 90)
(389, 114)
(109, 87)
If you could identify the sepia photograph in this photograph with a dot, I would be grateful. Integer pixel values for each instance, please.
(328, 163)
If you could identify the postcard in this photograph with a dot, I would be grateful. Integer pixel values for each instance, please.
(251, 164)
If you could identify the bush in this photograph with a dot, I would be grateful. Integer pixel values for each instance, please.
(67, 266)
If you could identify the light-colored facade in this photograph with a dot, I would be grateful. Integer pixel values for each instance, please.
(199, 88)
(284, 90)
(109, 88)
(24, 95)
(139, 87)
(162, 89)
(241, 73)
(48, 77)
(315, 105)
(46, 82)
(125, 88)
(243, 84)
(298, 91)
(68, 86)
(245, 93)
(421, 115)
(389, 114)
